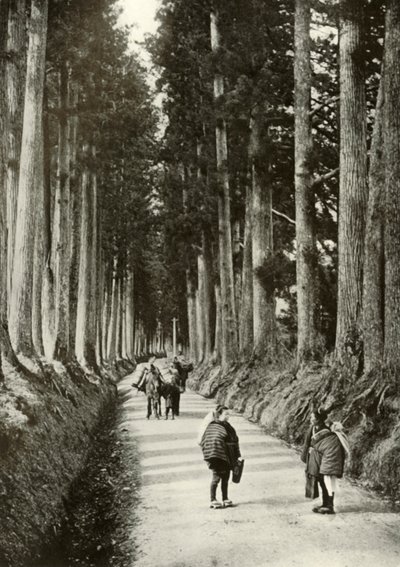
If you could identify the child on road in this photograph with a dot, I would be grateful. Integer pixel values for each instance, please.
(220, 445)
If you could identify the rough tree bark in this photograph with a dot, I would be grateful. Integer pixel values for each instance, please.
(48, 293)
(237, 265)
(207, 297)
(191, 309)
(39, 259)
(229, 322)
(200, 309)
(99, 288)
(118, 338)
(14, 80)
(94, 258)
(374, 281)
(218, 326)
(353, 178)
(264, 320)
(107, 307)
(21, 296)
(99, 319)
(112, 326)
(306, 273)
(85, 334)
(3, 196)
(209, 301)
(123, 317)
(392, 186)
(246, 304)
(62, 228)
(104, 318)
(130, 316)
(74, 220)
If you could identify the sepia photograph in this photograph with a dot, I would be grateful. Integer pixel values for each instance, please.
(199, 283)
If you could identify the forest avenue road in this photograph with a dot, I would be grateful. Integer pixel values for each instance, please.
(272, 523)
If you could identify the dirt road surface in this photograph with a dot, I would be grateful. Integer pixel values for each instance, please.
(271, 523)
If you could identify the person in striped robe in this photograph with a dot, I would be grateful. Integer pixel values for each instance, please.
(220, 445)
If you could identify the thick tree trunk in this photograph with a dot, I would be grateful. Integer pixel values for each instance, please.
(21, 297)
(6, 349)
(130, 316)
(392, 186)
(74, 222)
(264, 323)
(191, 308)
(14, 80)
(107, 301)
(85, 333)
(138, 338)
(237, 268)
(123, 318)
(62, 232)
(374, 280)
(99, 290)
(207, 295)
(112, 327)
(246, 303)
(99, 320)
(48, 292)
(229, 322)
(218, 326)
(94, 257)
(353, 178)
(105, 319)
(306, 258)
(208, 298)
(200, 309)
(39, 258)
(118, 346)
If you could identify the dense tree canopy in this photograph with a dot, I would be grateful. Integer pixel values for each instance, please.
(229, 217)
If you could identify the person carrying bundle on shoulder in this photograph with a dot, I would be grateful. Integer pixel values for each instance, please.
(183, 366)
(324, 453)
(171, 393)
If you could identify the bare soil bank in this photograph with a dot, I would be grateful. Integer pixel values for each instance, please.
(368, 406)
(47, 422)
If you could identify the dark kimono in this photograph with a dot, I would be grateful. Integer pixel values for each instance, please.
(323, 454)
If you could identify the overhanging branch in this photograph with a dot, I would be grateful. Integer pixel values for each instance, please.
(278, 214)
(322, 178)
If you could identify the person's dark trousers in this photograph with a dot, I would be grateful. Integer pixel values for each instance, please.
(184, 377)
(149, 406)
(167, 412)
(218, 476)
(176, 401)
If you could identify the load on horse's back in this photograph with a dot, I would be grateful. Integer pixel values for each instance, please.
(157, 383)
(139, 376)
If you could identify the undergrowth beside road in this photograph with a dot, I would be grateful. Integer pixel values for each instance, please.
(281, 401)
(47, 421)
(98, 519)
